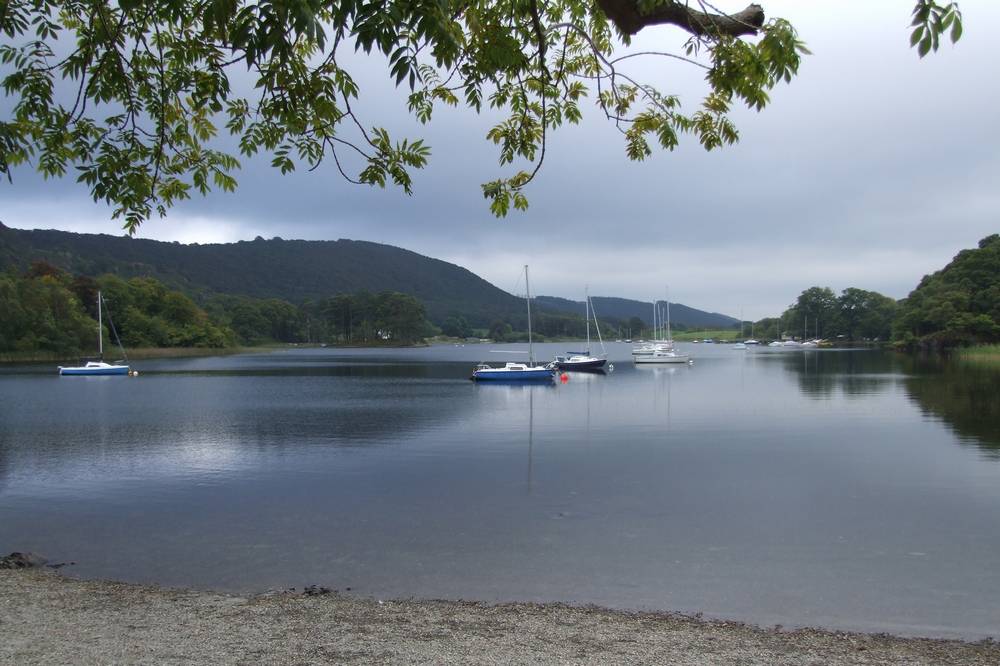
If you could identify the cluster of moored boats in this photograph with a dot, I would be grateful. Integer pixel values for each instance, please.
(659, 350)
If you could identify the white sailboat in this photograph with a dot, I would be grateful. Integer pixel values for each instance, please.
(667, 355)
(658, 343)
(740, 344)
(98, 367)
(513, 371)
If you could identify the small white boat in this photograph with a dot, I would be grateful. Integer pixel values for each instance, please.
(660, 329)
(651, 347)
(663, 357)
(94, 368)
(513, 371)
(98, 367)
(664, 352)
(739, 345)
(751, 341)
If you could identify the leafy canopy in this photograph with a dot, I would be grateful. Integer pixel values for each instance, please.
(130, 96)
(959, 304)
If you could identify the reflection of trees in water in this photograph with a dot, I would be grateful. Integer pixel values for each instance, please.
(965, 397)
(854, 374)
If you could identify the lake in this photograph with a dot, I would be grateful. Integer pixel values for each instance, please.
(845, 489)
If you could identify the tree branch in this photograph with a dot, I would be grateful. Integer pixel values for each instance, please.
(630, 20)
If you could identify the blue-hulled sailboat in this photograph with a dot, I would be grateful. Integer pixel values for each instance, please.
(513, 371)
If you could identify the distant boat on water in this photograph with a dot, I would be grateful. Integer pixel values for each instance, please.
(660, 342)
(740, 344)
(662, 357)
(99, 367)
(513, 371)
(584, 360)
(664, 353)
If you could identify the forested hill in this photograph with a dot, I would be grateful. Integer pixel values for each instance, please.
(957, 305)
(298, 271)
(623, 309)
(292, 270)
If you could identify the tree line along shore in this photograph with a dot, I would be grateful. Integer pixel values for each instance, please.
(50, 314)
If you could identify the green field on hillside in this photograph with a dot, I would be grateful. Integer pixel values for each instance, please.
(721, 334)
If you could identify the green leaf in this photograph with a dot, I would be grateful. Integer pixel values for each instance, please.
(925, 45)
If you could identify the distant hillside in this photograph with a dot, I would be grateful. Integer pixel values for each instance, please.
(292, 270)
(299, 271)
(623, 309)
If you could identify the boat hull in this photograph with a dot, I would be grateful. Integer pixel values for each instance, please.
(505, 375)
(593, 364)
(662, 358)
(110, 370)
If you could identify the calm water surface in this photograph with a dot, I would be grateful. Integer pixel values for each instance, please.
(854, 490)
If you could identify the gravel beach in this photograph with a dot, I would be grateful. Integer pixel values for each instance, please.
(47, 618)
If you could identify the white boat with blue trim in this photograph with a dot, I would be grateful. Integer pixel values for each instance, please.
(99, 367)
(514, 371)
(95, 368)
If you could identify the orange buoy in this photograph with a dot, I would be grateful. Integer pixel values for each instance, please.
(564, 378)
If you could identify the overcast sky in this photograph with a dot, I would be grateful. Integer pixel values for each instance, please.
(871, 169)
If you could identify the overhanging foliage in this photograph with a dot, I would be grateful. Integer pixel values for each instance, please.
(130, 96)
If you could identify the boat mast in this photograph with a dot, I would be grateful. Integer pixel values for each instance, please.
(669, 339)
(527, 297)
(597, 327)
(100, 328)
(586, 292)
